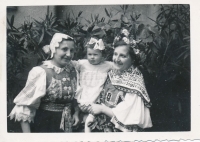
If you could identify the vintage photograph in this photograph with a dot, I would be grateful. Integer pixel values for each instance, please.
(98, 68)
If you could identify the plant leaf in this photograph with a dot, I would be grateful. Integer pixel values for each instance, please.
(125, 19)
(79, 14)
(92, 18)
(107, 12)
(87, 21)
(82, 31)
(42, 36)
(9, 23)
(126, 7)
(12, 20)
(90, 28)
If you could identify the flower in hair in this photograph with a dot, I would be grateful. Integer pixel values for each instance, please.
(116, 38)
(133, 43)
(125, 32)
(137, 51)
(126, 40)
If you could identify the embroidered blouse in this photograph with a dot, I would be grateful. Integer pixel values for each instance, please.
(59, 88)
(126, 95)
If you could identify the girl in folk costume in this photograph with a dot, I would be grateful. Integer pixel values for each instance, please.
(124, 97)
(93, 73)
(48, 97)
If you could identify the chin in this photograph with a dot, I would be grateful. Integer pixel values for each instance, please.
(117, 67)
(93, 63)
(66, 61)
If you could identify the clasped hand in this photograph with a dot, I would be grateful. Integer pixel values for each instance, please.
(91, 108)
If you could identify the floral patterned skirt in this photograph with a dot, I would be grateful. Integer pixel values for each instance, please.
(102, 123)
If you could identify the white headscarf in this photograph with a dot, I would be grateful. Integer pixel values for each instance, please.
(56, 39)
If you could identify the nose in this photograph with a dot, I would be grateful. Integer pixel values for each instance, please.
(68, 53)
(92, 56)
(116, 58)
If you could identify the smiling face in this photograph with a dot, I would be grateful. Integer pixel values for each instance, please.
(121, 58)
(94, 56)
(64, 53)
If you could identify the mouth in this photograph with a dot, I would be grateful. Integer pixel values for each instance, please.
(66, 59)
(92, 61)
(118, 64)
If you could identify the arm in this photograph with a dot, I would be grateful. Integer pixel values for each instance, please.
(25, 127)
(110, 64)
(107, 111)
(76, 113)
(76, 64)
(28, 100)
(98, 109)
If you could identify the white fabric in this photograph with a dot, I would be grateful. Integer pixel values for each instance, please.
(57, 70)
(92, 78)
(132, 111)
(28, 100)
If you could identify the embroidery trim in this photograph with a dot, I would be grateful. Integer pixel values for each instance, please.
(130, 81)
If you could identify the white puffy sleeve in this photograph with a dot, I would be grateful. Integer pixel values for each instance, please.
(28, 100)
(131, 111)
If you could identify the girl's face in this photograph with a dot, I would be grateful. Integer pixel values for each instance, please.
(64, 53)
(94, 56)
(121, 58)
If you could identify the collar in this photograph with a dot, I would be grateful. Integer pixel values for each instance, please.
(57, 69)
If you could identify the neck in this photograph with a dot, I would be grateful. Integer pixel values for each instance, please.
(120, 71)
(57, 64)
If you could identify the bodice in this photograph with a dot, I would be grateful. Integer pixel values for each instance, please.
(110, 95)
(60, 87)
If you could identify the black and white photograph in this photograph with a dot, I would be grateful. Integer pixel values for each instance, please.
(88, 69)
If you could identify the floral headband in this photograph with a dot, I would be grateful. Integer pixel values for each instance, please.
(98, 43)
(56, 39)
(125, 37)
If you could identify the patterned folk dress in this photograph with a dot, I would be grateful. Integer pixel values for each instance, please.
(47, 99)
(126, 95)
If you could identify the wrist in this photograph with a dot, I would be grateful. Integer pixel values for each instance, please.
(102, 108)
(76, 113)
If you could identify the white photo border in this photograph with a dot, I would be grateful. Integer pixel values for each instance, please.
(193, 135)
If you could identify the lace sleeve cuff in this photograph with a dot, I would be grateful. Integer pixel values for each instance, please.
(23, 113)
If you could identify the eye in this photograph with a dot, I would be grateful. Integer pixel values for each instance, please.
(115, 54)
(123, 56)
(65, 49)
(72, 50)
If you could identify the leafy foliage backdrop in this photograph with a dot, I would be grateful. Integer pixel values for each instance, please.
(164, 56)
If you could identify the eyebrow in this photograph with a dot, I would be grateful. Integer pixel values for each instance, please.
(121, 53)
